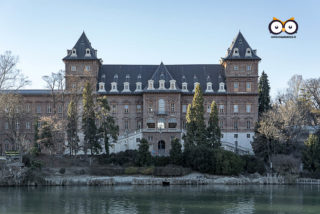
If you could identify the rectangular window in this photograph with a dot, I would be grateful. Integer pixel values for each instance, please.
(137, 140)
(248, 86)
(27, 125)
(248, 136)
(49, 109)
(6, 125)
(235, 108)
(73, 68)
(138, 108)
(184, 108)
(38, 109)
(248, 124)
(208, 108)
(172, 107)
(150, 138)
(139, 125)
(235, 135)
(126, 109)
(236, 86)
(221, 108)
(221, 123)
(236, 68)
(114, 109)
(150, 110)
(28, 108)
(222, 135)
(126, 124)
(249, 68)
(88, 68)
(248, 108)
(17, 125)
(184, 124)
(59, 108)
(235, 124)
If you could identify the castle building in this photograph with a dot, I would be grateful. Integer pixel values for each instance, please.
(150, 101)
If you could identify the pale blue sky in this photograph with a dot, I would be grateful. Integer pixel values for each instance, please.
(149, 31)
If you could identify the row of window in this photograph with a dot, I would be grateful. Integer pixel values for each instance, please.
(126, 87)
(237, 84)
(86, 68)
(236, 68)
(38, 109)
(248, 52)
(18, 125)
(162, 109)
(74, 52)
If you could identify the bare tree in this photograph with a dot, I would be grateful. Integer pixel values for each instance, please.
(10, 76)
(55, 82)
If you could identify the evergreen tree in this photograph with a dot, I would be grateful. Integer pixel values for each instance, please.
(311, 155)
(72, 128)
(35, 150)
(176, 152)
(88, 121)
(264, 93)
(198, 116)
(213, 130)
(108, 127)
(144, 156)
(46, 136)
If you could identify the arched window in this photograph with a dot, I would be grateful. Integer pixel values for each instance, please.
(236, 52)
(161, 106)
(248, 52)
(88, 52)
(161, 147)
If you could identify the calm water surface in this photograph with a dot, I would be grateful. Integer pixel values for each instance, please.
(158, 199)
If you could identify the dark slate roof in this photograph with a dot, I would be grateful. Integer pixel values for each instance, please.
(82, 44)
(240, 43)
(161, 73)
(189, 73)
(28, 91)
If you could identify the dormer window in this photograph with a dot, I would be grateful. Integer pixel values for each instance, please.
(184, 86)
(74, 52)
(126, 87)
(221, 87)
(150, 85)
(138, 86)
(114, 87)
(248, 52)
(88, 53)
(236, 52)
(194, 86)
(101, 87)
(161, 84)
(209, 87)
(172, 85)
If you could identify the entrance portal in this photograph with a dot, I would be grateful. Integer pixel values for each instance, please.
(161, 147)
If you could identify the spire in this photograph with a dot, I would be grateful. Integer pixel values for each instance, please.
(240, 49)
(82, 49)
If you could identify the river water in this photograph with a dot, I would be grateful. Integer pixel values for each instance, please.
(161, 199)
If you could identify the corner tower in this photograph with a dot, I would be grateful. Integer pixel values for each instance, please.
(241, 67)
(81, 65)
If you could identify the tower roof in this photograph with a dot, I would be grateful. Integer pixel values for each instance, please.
(83, 44)
(239, 49)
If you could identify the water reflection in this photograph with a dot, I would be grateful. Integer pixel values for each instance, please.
(158, 199)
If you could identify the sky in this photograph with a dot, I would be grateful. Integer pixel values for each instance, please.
(150, 31)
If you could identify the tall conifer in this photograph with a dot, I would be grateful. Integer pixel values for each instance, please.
(264, 93)
(213, 130)
(88, 121)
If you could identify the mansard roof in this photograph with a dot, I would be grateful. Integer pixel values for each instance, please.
(242, 45)
(181, 73)
(81, 46)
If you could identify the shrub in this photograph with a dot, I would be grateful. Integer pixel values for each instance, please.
(147, 170)
(228, 163)
(144, 156)
(122, 158)
(252, 164)
(284, 164)
(35, 164)
(160, 160)
(176, 156)
(131, 170)
(62, 171)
